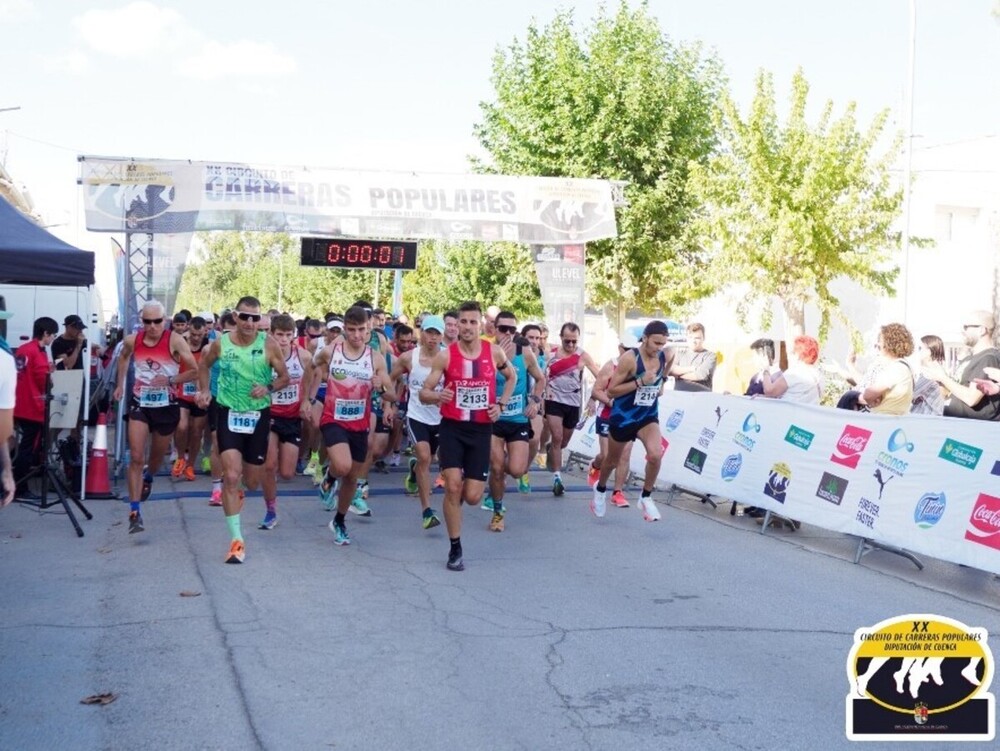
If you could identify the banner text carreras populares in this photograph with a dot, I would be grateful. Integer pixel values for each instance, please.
(162, 196)
(926, 484)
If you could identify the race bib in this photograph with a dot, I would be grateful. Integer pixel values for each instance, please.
(190, 389)
(288, 395)
(348, 409)
(154, 397)
(472, 397)
(515, 407)
(243, 422)
(645, 396)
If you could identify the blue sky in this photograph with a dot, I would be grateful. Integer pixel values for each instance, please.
(386, 84)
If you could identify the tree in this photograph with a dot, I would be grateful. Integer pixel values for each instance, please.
(622, 103)
(786, 209)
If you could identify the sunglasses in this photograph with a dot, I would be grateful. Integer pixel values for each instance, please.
(570, 341)
(255, 317)
(507, 329)
(151, 321)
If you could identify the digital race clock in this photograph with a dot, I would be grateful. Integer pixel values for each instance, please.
(352, 253)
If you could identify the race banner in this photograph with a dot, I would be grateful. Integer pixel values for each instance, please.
(167, 196)
(560, 270)
(925, 484)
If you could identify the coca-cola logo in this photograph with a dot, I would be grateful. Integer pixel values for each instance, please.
(985, 522)
(850, 446)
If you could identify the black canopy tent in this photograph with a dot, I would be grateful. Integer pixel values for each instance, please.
(30, 255)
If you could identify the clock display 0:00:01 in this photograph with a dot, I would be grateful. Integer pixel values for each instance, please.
(359, 254)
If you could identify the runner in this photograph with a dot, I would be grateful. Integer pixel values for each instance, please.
(227, 324)
(635, 413)
(564, 396)
(353, 371)
(509, 447)
(152, 407)
(403, 341)
(317, 458)
(533, 333)
(288, 408)
(469, 406)
(191, 428)
(246, 359)
(602, 426)
(450, 329)
(423, 419)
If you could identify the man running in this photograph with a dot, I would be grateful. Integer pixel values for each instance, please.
(288, 408)
(635, 413)
(191, 428)
(353, 372)
(469, 407)
(564, 396)
(533, 333)
(602, 427)
(423, 418)
(157, 356)
(246, 359)
(509, 447)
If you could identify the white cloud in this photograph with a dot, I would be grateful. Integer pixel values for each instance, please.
(74, 62)
(242, 58)
(135, 30)
(16, 10)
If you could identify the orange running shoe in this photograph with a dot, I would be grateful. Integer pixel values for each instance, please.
(178, 468)
(237, 552)
(619, 500)
(189, 473)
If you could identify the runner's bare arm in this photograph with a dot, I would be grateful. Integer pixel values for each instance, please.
(400, 367)
(208, 358)
(427, 394)
(124, 358)
(624, 380)
(588, 362)
(502, 364)
(181, 351)
(277, 361)
(600, 392)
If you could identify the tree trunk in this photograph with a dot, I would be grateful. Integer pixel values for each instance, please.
(795, 318)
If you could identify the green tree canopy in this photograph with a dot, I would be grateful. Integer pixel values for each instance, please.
(620, 102)
(788, 208)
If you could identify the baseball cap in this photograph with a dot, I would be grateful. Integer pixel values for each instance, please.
(207, 315)
(629, 340)
(433, 322)
(981, 318)
(75, 321)
(335, 323)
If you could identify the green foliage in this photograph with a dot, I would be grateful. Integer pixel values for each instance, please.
(788, 208)
(620, 102)
(448, 274)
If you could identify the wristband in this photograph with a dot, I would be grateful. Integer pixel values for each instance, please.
(270, 388)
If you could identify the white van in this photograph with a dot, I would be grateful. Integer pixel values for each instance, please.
(28, 302)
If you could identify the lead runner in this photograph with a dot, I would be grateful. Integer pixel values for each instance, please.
(469, 407)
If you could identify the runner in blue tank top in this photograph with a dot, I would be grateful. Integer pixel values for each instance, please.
(635, 389)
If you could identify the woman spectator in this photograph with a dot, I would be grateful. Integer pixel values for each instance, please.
(928, 397)
(763, 360)
(890, 391)
(801, 382)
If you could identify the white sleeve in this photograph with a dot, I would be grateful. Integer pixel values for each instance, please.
(8, 380)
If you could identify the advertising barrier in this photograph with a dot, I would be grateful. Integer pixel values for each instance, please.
(925, 484)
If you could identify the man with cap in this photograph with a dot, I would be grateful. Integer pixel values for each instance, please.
(8, 378)
(973, 394)
(66, 348)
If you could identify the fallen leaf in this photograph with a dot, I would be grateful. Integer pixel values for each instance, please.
(117, 523)
(190, 593)
(15, 535)
(104, 550)
(99, 699)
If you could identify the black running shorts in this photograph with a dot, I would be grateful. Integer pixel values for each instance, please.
(252, 446)
(466, 445)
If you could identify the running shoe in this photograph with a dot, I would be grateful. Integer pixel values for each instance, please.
(599, 503)
(593, 476)
(649, 511)
(178, 468)
(557, 487)
(619, 500)
(216, 499)
(328, 493)
(237, 552)
(270, 521)
(410, 481)
(300, 467)
(439, 482)
(380, 467)
(135, 523)
(394, 460)
(206, 465)
(496, 523)
(147, 485)
(487, 504)
(319, 472)
(455, 561)
(340, 536)
(431, 519)
(309, 467)
(524, 483)
(359, 505)
(189, 473)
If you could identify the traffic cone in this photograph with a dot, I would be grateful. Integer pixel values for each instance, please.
(98, 482)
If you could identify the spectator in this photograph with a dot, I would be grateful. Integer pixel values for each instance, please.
(763, 359)
(33, 369)
(928, 397)
(801, 382)
(8, 380)
(66, 349)
(695, 364)
(973, 395)
(889, 389)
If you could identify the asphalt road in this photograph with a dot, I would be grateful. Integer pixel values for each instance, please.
(564, 632)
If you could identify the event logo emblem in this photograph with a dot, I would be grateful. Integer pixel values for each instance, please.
(799, 437)
(731, 466)
(984, 522)
(570, 217)
(742, 438)
(929, 509)
(851, 445)
(719, 414)
(960, 453)
(695, 460)
(674, 421)
(920, 677)
(778, 480)
(831, 488)
(897, 442)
